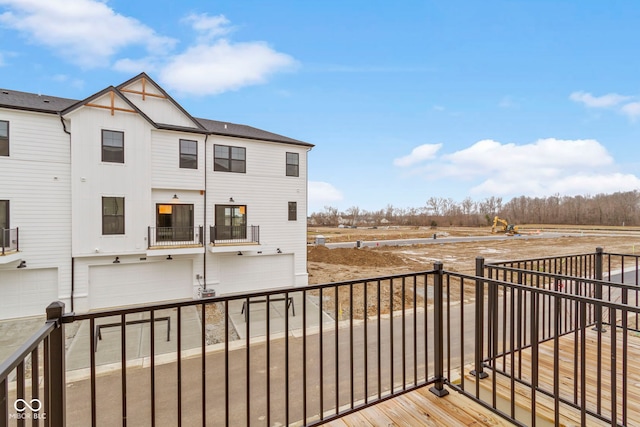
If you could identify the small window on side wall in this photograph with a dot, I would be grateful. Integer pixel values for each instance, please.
(293, 164)
(112, 146)
(188, 154)
(112, 215)
(293, 211)
(4, 138)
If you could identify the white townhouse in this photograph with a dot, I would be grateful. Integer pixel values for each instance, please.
(125, 198)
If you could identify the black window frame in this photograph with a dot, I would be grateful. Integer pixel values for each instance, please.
(188, 160)
(225, 159)
(293, 211)
(105, 231)
(7, 211)
(293, 169)
(233, 226)
(4, 141)
(120, 157)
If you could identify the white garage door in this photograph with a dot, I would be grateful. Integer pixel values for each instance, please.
(127, 284)
(27, 292)
(247, 273)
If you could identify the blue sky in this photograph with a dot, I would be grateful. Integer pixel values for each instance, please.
(403, 100)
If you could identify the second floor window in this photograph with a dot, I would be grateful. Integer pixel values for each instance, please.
(112, 215)
(293, 164)
(229, 159)
(112, 146)
(4, 138)
(293, 211)
(188, 154)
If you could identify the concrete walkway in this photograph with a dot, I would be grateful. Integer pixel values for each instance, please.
(14, 333)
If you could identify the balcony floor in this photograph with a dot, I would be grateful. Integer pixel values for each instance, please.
(596, 394)
(422, 408)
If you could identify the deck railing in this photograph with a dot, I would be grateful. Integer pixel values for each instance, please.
(227, 234)
(161, 237)
(304, 356)
(9, 240)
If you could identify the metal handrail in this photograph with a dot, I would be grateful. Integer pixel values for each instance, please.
(174, 236)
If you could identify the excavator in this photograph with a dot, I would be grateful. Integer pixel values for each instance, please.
(502, 226)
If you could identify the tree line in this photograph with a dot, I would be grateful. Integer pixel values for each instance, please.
(621, 208)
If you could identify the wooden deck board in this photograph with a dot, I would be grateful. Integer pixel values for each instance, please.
(423, 408)
(570, 378)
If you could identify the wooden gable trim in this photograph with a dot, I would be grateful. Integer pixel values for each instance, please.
(111, 107)
(144, 92)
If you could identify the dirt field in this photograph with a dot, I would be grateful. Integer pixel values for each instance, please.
(334, 265)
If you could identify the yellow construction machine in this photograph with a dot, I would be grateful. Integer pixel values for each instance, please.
(502, 226)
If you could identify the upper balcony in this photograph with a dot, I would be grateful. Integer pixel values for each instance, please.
(224, 238)
(9, 245)
(175, 240)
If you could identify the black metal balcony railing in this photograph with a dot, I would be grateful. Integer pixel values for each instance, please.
(224, 234)
(9, 241)
(175, 236)
(350, 345)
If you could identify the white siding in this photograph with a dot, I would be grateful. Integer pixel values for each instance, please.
(36, 181)
(165, 157)
(265, 190)
(93, 179)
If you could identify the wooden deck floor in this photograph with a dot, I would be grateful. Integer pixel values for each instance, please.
(423, 408)
(598, 391)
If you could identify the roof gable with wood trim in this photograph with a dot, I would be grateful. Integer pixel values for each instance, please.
(149, 97)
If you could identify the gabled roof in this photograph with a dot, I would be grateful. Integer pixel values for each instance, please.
(168, 97)
(54, 105)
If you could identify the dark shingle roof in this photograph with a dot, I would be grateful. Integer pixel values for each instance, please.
(51, 104)
(33, 102)
(243, 131)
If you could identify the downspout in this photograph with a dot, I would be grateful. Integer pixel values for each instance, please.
(306, 221)
(73, 260)
(204, 255)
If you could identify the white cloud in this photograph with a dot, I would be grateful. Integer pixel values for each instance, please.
(544, 167)
(89, 33)
(86, 32)
(208, 69)
(208, 27)
(604, 101)
(631, 110)
(418, 155)
(321, 194)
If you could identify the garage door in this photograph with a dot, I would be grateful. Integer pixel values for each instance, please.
(127, 284)
(27, 292)
(246, 273)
